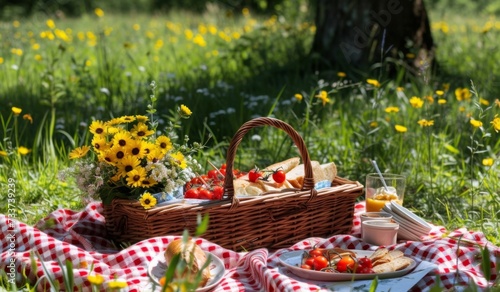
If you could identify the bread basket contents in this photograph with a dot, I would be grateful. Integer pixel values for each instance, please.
(192, 257)
(282, 175)
(337, 260)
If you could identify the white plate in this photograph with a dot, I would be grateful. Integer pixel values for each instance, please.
(402, 211)
(292, 259)
(158, 266)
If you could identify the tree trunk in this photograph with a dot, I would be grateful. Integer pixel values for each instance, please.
(352, 35)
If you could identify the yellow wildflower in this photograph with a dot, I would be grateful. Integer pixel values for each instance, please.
(374, 124)
(392, 109)
(476, 123)
(484, 102)
(400, 89)
(3, 153)
(79, 152)
(147, 201)
(117, 284)
(401, 129)
(97, 128)
(426, 123)
(439, 92)
(16, 111)
(496, 123)
(341, 74)
(23, 150)
(50, 23)
(136, 176)
(164, 143)
(96, 279)
(184, 111)
(430, 99)
(463, 94)
(99, 12)
(416, 102)
(323, 95)
(488, 161)
(441, 101)
(179, 159)
(373, 82)
(298, 96)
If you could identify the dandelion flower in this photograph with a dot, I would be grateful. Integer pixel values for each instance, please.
(441, 101)
(184, 111)
(476, 123)
(373, 82)
(298, 96)
(488, 161)
(430, 99)
(374, 124)
(439, 92)
(401, 129)
(416, 102)
(97, 128)
(28, 118)
(16, 111)
(496, 123)
(96, 279)
(341, 74)
(79, 152)
(392, 109)
(323, 95)
(3, 153)
(136, 176)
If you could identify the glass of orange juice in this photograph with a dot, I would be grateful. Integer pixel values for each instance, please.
(377, 195)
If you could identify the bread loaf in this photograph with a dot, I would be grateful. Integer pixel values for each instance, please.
(194, 256)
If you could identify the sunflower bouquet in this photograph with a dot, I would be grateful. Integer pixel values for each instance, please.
(128, 159)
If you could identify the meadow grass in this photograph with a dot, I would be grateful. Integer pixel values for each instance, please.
(227, 69)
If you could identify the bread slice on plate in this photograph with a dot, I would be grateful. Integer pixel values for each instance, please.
(394, 265)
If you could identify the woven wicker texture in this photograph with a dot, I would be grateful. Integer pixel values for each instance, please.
(273, 220)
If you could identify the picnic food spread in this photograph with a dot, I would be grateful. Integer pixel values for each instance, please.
(193, 255)
(338, 260)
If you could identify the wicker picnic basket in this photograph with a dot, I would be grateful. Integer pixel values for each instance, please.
(273, 220)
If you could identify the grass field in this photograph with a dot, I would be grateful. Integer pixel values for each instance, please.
(440, 130)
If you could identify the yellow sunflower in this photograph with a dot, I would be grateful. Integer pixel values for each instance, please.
(126, 165)
(155, 155)
(116, 153)
(141, 118)
(98, 128)
(148, 182)
(147, 200)
(136, 148)
(136, 176)
(164, 143)
(100, 144)
(179, 159)
(122, 138)
(141, 130)
(79, 152)
(148, 146)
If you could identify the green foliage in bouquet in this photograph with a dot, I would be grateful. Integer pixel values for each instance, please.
(128, 158)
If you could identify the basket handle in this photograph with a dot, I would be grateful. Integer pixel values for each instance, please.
(266, 121)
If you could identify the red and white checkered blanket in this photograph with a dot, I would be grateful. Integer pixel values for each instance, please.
(79, 236)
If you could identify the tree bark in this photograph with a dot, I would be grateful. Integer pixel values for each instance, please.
(355, 34)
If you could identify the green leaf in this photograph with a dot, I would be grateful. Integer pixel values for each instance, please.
(373, 285)
(486, 264)
(203, 225)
